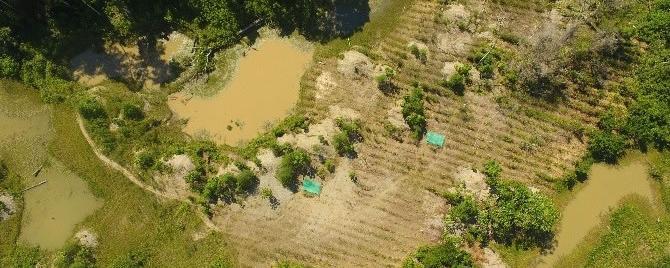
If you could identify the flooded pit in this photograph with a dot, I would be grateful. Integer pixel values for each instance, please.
(51, 210)
(606, 186)
(263, 89)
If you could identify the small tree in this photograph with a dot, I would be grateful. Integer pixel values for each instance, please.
(414, 113)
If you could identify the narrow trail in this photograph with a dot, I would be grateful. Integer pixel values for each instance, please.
(116, 166)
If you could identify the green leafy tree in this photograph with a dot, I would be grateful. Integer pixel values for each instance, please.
(466, 211)
(90, 108)
(132, 112)
(291, 166)
(447, 254)
(607, 146)
(414, 113)
(522, 217)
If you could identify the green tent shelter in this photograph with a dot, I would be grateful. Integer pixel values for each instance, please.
(310, 186)
(435, 139)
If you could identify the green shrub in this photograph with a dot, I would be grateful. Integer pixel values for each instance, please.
(146, 160)
(582, 169)
(492, 169)
(447, 254)
(266, 193)
(350, 133)
(132, 259)
(413, 112)
(343, 145)
(9, 68)
(222, 187)
(606, 146)
(485, 59)
(420, 54)
(75, 255)
(649, 122)
(132, 112)
(385, 80)
(458, 80)
(246, 181)
(292, 165)
(196, 178)
(465, 212)
(90, 108)
(280, 149)
(330, 165)
(3, 170)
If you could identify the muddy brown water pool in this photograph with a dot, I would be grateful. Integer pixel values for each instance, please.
(605, 188)
(52, 210)
(264, 88)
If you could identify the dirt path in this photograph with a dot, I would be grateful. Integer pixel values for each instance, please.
(116, 166)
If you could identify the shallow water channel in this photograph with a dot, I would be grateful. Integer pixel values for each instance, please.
(606, 186)
(53, 209)
(263, 89)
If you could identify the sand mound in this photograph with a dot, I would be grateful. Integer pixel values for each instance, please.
(174, 183)
(456, 12)
(87, 238)
(473, 181)
(325, 84)
(492, 259)
(395, 116)
(355, 64)
(326, 129)
(9, 206)
(455, 43)
(449, 68)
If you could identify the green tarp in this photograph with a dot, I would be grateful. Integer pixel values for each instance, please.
(311, 186)
(435, 139)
